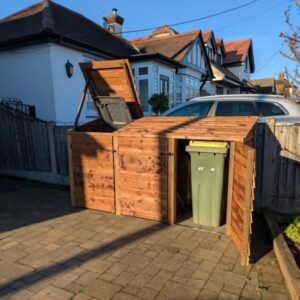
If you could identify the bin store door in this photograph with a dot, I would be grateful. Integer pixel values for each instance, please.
(240, 198)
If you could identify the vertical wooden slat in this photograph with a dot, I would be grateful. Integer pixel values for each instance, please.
(71, 173)
(247, 209)
(116, 174)
(172, 180)
(230, 185)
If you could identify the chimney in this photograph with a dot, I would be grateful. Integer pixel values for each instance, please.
(281, 76)
(114, 22)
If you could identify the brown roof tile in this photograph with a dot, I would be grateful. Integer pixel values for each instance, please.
(236, 51)
(172, 46)
(206, 35)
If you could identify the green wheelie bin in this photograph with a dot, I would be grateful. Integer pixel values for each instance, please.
(207, 175)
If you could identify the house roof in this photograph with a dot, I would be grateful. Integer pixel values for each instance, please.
(263, 82)
(220, 45)
(237, 52)
(169, 43)
(206, 35)
(48, 21)
(174, 46)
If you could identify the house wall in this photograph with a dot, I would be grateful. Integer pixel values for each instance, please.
(155, 70)
(26, 74)
(241, 72)
(67, 91)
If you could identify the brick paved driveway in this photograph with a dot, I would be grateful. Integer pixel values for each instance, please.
(50, 250)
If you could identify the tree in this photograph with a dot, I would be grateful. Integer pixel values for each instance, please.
(159, 103)
(291, 39)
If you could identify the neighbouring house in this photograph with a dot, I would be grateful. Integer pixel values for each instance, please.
(181, 76)
(280, 86)
(40, 49)
(222, 67)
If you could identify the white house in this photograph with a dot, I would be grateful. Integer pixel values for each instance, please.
(181, 79)
(39, 47)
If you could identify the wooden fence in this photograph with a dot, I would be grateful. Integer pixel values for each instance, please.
(31, 148)
(278, 167)
(37, 150)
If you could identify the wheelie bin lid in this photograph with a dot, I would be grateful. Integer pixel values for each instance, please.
(207, 146)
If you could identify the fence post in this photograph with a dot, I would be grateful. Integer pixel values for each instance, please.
(51, 141)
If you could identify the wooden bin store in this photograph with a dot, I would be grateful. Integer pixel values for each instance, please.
(141, 169)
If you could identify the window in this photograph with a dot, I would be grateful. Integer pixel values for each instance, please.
(269, 109)
(164, 84)
(209, 52)
(236, 108)
(200, 109)
(144, 93)
(246, 64)
(143, 71)
(133, 71)
(219, 58)
(219, 90)
(178, 94)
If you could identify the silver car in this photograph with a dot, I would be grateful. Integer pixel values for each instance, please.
(265, 106)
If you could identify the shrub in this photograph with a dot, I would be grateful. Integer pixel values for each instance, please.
(293, 230)
(159, 103)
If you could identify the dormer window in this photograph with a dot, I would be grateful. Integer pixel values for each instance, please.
(246, 64)
(219, 58)
(209, 53)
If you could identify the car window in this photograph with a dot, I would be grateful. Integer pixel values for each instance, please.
(235, 108)
(269, 109)
(194, 109)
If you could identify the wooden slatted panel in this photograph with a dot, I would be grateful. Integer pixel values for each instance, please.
(239, 129)
(114, 78)
(241, 199)
(91, 170)
(142, 173)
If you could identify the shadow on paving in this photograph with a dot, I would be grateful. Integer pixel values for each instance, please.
(77, 260)
(23, 203)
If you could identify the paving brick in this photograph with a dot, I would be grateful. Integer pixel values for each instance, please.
(65, 280)
(86, 278)
(81, 296)
(159, 280)
(96, 265)
(207, 295)
(146, 293)
(135, 260)
(251, 292)
(179, 291)
(123, 296)
(227, 296)
(124, 278)
(21, 295)
(140, 280)
(101, 289)
(214, 286)
(52, 292)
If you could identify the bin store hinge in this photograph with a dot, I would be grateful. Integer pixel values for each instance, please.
(166, 154)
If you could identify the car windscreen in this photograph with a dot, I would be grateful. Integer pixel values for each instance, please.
(196, 109)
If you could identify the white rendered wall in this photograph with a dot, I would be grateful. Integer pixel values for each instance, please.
(241, 72)
(26, 74)
(67, 91)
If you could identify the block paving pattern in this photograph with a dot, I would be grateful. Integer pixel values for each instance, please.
(51, 250)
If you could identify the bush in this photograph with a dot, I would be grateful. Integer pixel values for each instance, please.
(159, 103)
(293, 230)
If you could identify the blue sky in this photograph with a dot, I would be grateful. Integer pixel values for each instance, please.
(263, 21)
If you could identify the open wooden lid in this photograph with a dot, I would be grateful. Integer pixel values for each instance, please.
(113, 78)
